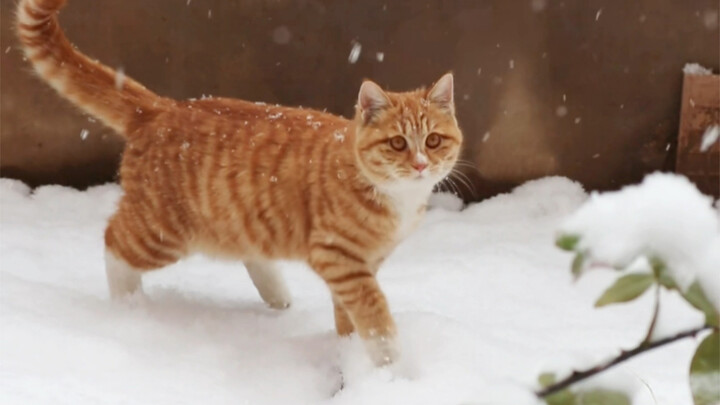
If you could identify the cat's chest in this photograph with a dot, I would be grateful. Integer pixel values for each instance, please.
(408, 208)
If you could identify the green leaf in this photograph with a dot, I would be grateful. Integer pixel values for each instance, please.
(705, 371)
(567, 242)
(546, 379)
(602, 397)
(697, 298)
(625, 289)
(661, 274)
(578, 264)
(563, 397)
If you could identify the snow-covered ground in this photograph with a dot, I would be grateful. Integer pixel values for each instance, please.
(483, 299)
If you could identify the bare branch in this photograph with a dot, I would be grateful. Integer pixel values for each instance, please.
(577, 376)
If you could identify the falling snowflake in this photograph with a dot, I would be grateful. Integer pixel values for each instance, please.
(561, 111)
(355, 52)
(538, 5)
(119, 78)
(281, 35)
(710, 136)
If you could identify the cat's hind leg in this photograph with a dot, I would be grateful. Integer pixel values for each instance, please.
(135, 244)
(269, 282)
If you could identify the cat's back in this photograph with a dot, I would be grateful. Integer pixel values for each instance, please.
(241, 173)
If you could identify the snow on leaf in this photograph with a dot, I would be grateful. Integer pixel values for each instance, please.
(665, 217)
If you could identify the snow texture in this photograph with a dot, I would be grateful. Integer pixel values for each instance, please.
(665, 217)
(696, 69)
(446, 201)
(710, 136)
(483, 300)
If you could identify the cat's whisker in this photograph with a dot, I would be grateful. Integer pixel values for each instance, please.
(452, 187)
(464, 180)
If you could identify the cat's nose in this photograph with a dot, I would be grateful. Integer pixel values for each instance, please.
(419, 166)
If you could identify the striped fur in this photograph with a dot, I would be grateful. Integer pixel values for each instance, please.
(257, 182)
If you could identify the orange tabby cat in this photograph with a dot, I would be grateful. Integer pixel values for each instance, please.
(256, 182)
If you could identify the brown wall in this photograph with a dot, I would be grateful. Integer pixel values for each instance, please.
(613, 65)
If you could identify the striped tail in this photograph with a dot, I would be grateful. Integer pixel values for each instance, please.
(92, 86)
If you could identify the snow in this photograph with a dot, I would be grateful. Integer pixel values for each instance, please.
(483, 300)
(665, 217)
(355, 52)
(711, 18)
(119, 78)
(711, 135)
(281, 35)
(696, 69)
(446, 201)
(538, 5)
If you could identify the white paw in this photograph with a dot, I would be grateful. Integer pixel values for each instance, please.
(123, 280)
(383, 350)
(276, 295)
(281, 303)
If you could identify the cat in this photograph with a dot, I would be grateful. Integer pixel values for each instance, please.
(258, 183)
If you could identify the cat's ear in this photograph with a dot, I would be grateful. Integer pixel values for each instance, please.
(371, 99)
(442, 93)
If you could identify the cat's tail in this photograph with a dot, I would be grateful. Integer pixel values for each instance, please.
(99, 90)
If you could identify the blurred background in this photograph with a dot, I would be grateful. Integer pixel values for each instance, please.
(588, 89)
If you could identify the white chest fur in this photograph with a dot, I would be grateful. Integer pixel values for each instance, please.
(409, 204)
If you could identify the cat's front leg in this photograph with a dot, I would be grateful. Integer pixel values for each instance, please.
(343, 324)
(269, 282)
(355, 288)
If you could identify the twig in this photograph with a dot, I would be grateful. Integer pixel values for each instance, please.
(577, 376)
(656, 311)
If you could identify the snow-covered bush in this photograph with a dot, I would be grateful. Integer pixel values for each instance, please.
(668, 228)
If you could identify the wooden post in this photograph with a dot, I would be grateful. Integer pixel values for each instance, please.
(700, 111)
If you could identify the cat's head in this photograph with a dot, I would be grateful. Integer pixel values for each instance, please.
(407, 139)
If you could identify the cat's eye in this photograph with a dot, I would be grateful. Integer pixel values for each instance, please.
(398, 143)
(433, 140)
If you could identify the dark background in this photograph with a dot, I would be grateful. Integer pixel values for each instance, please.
(588, 89)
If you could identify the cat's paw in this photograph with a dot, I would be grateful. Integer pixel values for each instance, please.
(279, 303)
(383, 350)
